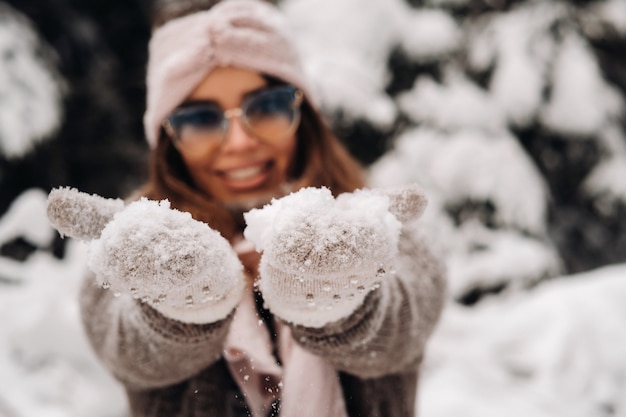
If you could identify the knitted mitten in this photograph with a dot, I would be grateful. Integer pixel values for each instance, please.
(321, 255)
(159, 255)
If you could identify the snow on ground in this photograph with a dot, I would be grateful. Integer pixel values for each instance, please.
(48, 368)
(557, 350)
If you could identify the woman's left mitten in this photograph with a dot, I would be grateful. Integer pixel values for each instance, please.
(322, 255)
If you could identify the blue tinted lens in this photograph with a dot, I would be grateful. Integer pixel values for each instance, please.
(199, 118)
(276, 102)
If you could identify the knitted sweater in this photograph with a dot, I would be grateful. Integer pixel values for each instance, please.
(170, 368)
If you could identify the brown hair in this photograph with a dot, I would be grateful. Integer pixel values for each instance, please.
(320, 160)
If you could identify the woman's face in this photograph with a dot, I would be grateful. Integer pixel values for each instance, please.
(241, 167)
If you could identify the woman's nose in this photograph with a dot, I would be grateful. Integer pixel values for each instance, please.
(237, 137)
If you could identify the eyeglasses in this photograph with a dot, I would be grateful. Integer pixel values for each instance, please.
(271, 114)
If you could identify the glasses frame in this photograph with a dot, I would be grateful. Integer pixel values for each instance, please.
(240, 112)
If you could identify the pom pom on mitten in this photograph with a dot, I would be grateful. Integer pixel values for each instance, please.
(321, 255)
(406, 202)
(159, 255)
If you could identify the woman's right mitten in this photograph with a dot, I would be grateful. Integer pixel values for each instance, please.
(159, 255)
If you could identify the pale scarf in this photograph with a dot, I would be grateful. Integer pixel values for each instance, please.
(307, 385)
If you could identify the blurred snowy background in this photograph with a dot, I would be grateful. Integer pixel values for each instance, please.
(511, 113)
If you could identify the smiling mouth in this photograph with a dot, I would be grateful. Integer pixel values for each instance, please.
(248, 177)
(244, 173)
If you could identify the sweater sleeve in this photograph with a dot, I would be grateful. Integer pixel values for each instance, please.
(140, 346)
(388, 332)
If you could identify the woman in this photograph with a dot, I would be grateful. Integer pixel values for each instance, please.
(183, 316)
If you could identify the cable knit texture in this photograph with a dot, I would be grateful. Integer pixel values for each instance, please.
(243, 33)
(158, 255)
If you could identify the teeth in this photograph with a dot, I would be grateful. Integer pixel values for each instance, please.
(242, 174)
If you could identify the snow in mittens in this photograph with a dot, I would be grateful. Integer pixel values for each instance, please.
(154, 252)
(311, 230)
(322, 255)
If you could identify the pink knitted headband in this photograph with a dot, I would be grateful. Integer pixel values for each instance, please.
(242, 33)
